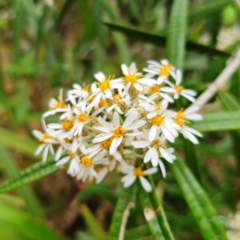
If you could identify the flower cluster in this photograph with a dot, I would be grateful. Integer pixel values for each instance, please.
(119, 124)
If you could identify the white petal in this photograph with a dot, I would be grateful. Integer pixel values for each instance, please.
(150, 171)
(152, 133)
(124, 69)
(149, 155)
(165, 155)
(104, 123)
(136, 124)
(162, 168)
(140, 144)
(114, 145)
(138, 86)
(128, 180)
(131, 117)
(146, 185)
(116, 121)
(101, 137)
(63, 161)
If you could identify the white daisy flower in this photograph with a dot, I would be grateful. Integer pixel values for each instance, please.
(156, 149)
(117, 131)
(178, 90)
(78, 92)
(133, 173)
(56, 105)
(163, 69)
(46, 143)
(163, 123)
(180, 120)
(63, 129)
(152, 107)
(135, 78)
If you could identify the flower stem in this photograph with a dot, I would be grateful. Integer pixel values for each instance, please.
(162, 220)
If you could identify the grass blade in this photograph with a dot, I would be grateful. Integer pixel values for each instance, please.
(177, 33)
(11, 168)
(158, 40)
(198, 202)
(126, 196)
(219, 121)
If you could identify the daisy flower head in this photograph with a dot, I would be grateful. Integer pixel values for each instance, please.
(132, 173)
(163, 70)
(135, 78)
(178, 89)
(118, 131)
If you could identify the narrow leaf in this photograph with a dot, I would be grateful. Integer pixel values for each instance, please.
(204, 10)
(23, 144)
(157, 40)
(31, 174)
(198, 202)
(219, 121)
(25, 225)
(177, 33)
(91, 222)
(150, 215)
(126, 196)
(11, 168)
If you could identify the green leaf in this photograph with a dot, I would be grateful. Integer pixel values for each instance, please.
(177, 33)
(160, 214)
(11, 168)
(28, 175)
(198, 202)
(150, 215)
(204, 10)
(192, 159)
(91, 222)
(23, 144)
(24, 225)
(126, 196)
(228, 101)
(158, 40)
(219, 121)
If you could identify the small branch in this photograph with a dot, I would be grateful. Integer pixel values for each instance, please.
(232, 65)
(238, 3)
(124, 220)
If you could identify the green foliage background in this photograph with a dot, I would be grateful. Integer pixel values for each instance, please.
(48, 45)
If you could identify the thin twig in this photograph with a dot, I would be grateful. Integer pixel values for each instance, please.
(238, 3)
(124, 220)
(232, 65)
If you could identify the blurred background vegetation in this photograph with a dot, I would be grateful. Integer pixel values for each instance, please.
(48, 45)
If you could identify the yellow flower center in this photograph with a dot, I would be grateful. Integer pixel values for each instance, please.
(165, 70)
(86, 88)
(154, 89)
(156, 143)
(117, 98)
(178, 88)
(86, 161)
(70, 154)
(118, 132)
(104, 85)
(45, 136)
(180, 118)
(103, 103)
(157, 120)
(106, 143)
(131, 78)
(67, 140)
(83, 117)
(138, 172)
(67, 124)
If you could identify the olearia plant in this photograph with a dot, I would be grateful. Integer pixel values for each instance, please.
(108, 125)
